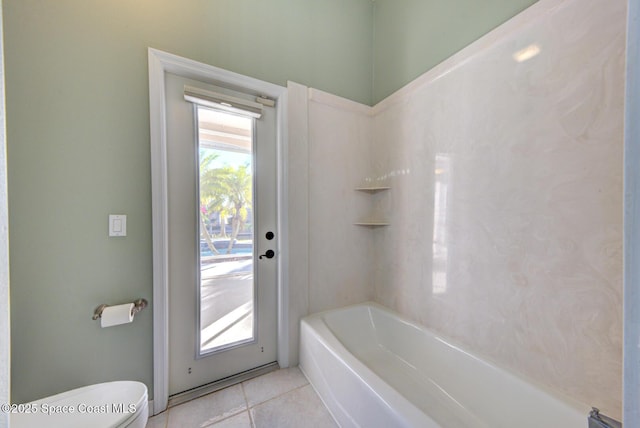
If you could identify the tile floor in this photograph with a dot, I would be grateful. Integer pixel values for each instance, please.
(279, 399)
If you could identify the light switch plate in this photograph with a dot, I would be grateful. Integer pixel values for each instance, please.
(117, 225)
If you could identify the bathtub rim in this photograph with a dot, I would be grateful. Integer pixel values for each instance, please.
(561, 397)
(386, 394)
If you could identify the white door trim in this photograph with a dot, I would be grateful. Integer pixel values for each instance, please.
(160, 63)
(5, 319)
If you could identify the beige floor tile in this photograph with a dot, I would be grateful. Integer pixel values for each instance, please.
(209, 409)
(241, 420)
(298, 408)
(279, 399)
(272, 384)
(158, 421)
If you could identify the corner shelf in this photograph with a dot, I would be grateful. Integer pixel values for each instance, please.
(374, 222)
(372, 189)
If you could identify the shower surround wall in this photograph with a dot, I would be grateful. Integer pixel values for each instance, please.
(340, 253)
(328, 156)
(506, 198)
(505, 205)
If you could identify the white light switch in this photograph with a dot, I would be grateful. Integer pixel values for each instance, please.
(117, 225)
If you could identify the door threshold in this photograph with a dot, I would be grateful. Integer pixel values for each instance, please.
(192, 394)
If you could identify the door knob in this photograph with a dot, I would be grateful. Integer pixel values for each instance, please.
(269, 254)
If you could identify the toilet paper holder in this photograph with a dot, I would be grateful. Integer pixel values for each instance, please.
(138, 305)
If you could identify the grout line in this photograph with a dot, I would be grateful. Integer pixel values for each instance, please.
(253, 423)
(245, 409)
(244, 394)
(246, 406)
(278, 396)
(246, 402)
(225, 418)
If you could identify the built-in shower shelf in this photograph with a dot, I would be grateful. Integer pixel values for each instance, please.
(372, 189)
(374, 214)
(372, 223)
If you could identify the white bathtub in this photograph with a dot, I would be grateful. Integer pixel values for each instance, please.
(374, 369)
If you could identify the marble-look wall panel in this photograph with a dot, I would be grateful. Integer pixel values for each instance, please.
(297, 221)
(340, 253)
(506, 199)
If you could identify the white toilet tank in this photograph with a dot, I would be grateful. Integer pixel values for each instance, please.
(110, 404)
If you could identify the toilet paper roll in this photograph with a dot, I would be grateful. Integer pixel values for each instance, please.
(116, 315)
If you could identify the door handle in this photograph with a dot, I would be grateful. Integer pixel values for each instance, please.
(269, 254)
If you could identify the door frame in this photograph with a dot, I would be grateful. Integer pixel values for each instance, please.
(160, 63)
(5, 319)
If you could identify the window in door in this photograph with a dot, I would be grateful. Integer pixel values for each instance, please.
(226, 229)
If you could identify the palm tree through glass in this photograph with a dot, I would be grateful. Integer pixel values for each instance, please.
(225, 158)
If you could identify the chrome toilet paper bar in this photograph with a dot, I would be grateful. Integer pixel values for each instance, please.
(138, 305)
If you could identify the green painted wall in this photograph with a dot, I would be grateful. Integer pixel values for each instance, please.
(412, 36)
(78, 150)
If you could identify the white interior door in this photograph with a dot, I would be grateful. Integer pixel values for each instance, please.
(221, 180)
